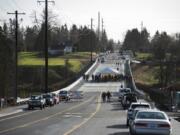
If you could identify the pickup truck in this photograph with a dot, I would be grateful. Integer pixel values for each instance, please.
(123, 91)
(49, 99)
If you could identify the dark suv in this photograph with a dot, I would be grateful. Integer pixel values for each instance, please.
(36, 101)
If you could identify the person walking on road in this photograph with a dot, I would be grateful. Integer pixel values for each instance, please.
(108, 96)
(103, 96)
(2, 102)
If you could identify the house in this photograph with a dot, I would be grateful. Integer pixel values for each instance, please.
(61, 48)
(56, 50)
(68, 47)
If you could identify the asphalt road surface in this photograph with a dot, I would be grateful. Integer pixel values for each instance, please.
(88, 116)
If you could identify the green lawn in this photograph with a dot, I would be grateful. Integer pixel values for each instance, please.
(76, 60)
(145, 75)
(143, 56)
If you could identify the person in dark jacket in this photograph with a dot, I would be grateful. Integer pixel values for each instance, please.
(108, 94)
(103, 96)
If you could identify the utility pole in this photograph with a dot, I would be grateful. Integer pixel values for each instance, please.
(46, 89)
(91, 38)
(98, 26)
(102, 25)
(98, 30)
(141, 26)
(16, 51)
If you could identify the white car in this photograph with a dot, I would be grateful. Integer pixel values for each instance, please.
(151, 122)
(76, 95)
(133, 106)
(64, 95)
(134, 112)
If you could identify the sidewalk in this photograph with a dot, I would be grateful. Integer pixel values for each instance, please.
(12, 110)
(175, 115)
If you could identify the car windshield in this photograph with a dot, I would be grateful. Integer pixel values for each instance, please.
(131, 98)
(125, 90)
(150, 115)
(35, 97)
(63, 92)
(47, 96)
(140, 105)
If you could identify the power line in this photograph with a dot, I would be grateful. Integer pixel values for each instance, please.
(15, 3)
(16, 50)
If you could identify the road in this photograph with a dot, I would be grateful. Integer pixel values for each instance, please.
(89, 116)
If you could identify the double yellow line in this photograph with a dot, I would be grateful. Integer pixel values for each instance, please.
(86, 120)
(45, 118)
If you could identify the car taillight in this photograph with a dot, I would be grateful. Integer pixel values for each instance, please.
(141, 124)
(164, 125)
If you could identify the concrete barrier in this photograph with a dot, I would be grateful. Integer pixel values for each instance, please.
(140, 92)
(75, 85)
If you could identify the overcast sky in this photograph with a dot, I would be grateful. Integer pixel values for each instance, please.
(118, 15)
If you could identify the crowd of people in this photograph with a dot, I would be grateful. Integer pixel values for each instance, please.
(105, 78)
(86, 77)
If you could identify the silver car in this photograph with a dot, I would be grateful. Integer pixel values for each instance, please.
(133, 106)
(134, 112)
(151, 122)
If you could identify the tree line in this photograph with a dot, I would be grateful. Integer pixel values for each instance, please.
(31, 39)
(164, 49)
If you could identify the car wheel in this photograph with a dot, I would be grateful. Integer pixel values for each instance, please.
(29, 107)
(127, 122)
(131, 133)
(41, 107)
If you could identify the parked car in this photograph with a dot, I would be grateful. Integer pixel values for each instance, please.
(64, 95)
(133, 106)
(76, 95)
(36, 101)
(49, 99)
(123, 91)
(151, 122)
(134, 112)
(56, 98)
(127, 99)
